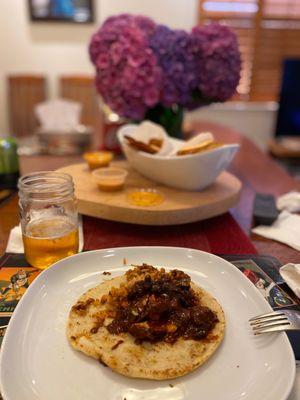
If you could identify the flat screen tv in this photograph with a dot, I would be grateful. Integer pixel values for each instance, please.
(288, 118)
(76, 11)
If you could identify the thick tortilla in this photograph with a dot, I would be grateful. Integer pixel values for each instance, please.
(151, 361)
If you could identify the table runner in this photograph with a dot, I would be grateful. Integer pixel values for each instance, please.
(218, 235)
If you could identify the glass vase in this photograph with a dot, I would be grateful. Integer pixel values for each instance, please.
(170, 118)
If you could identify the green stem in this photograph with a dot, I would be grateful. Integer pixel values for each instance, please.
(170, 119)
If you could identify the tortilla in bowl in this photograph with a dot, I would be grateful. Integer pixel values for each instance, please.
(148, 323)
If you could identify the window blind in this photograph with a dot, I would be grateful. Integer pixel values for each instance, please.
(268, 32)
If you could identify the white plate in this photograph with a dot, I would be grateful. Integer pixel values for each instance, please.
(38, 363)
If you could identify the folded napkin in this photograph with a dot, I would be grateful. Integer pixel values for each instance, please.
(289, 201)
(148, 130)
(286, 229)
(291, 274)
(194, 141)
(15, 242)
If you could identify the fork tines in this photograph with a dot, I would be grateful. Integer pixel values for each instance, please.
(263, 316)
(275, 321)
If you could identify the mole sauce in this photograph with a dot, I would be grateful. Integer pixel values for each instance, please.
(164, 308)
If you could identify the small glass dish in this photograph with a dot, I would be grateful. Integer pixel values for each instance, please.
(110, 179)
(145, 197)
(98, 159)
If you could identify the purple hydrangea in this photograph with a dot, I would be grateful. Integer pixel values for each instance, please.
(140, 64)
(175, 53)
(128, 76)
(219, 61)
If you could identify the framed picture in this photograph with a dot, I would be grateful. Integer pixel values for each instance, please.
(75, 11)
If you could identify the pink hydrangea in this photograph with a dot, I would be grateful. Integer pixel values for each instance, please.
(140, 65)
(128, 76)
(178, 60)
(219, 61)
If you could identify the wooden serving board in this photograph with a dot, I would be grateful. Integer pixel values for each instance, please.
(179, 207)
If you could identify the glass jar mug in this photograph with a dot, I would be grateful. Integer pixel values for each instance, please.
(49, 218)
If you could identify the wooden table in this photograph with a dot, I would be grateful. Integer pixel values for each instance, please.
(257, 171)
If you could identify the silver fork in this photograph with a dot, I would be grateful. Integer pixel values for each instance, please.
(287, 320)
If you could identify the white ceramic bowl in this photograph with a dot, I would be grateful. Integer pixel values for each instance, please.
(189, 172)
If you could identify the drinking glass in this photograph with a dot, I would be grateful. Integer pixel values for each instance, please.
(49, 219)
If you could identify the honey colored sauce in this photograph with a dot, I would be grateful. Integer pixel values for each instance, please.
(145, 198)
(110, 186)
(98, 159)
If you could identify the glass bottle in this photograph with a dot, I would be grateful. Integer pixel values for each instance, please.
(9, 163)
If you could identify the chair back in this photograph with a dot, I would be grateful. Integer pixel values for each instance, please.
(24, 93)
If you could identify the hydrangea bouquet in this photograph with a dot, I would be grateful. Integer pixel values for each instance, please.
(149, 71)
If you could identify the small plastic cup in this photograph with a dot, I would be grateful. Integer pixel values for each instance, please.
(98, 159)
(110, 179)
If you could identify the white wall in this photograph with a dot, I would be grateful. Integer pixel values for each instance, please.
(53, 49)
